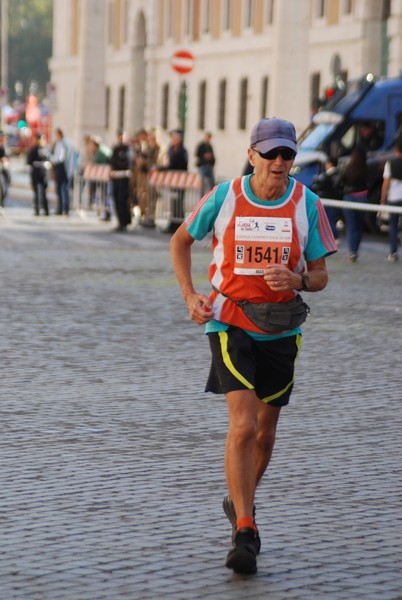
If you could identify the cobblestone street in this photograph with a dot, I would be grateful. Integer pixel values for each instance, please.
(112, 455)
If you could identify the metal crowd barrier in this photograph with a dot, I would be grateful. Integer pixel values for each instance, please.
(172, 195)
(92, 189)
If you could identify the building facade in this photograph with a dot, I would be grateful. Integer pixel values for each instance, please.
(112, 64)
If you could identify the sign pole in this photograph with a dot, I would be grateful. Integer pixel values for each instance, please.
(183, 106)
(182, 62)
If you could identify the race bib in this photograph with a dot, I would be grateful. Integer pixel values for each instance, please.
(261, 241)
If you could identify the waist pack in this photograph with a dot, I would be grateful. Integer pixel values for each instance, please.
(274, 316)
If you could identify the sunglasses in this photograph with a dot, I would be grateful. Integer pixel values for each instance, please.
(286, 153)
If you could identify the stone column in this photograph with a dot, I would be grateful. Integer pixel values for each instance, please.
(371, 42)
(4, 50)
(395, 36)
(290, 78)
(90, 100)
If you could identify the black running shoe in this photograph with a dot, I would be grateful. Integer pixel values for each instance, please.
(242, 557)
(230, 512)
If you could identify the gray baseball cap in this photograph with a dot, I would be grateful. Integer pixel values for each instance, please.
(270, 133)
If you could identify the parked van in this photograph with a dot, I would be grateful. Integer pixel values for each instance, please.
(365, 111)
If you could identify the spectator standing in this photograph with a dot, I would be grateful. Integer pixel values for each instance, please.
(391, 193)
(60, 161)
(37, 159)
(177, 153)
(327, 185)
(205, 160)
(140, 141)
(146, 159)
(100, 155)
(177, 161)
(4, 151)
(354, 181)
(4, 167)
(369, 137)
(270, 240)
(153, 150)
(86, 158)
(120, 163)
(139, 186)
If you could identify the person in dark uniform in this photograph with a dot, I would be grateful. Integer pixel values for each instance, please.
(120, 163)
(37, 159)
(177, 153)
(205, 162)
(178, 161)
(58, 159)
(5, 178)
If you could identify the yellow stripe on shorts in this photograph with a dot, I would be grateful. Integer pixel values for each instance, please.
(223, 338)
(285, 389)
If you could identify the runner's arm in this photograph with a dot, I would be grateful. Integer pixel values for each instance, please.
(198, 305)
(281, 279)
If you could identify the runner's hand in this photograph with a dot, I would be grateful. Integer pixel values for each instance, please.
(280, 278)
(199, 308)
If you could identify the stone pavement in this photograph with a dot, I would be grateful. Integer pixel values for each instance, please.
(112, 454)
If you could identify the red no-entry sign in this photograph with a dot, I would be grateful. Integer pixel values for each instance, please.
(182, 61)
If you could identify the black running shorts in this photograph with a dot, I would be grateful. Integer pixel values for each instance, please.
(240, 363)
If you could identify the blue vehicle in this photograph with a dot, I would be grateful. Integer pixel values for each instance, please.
(366, 112)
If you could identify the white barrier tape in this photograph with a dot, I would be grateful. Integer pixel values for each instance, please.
(361, 205)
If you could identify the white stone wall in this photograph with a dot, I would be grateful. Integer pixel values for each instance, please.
(298, 45)
(394, 32)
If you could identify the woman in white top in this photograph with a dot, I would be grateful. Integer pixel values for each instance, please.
(391, 193)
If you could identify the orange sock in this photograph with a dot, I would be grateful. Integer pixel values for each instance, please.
(245, 522)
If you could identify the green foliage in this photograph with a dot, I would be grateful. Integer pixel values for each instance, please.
(30, 45)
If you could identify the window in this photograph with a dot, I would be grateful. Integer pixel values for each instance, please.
(206, 16)
(124, 22)
(368, 134)
(187, 17)
(269, 12)
(386, 10)
(315, 83)
(122, 103)
(320, 8)
(110, 35)
(165, 106)
(243, 103)
(202, 97)
(248, 14)
(226, 14)
(169, 19)
(347, 7)
(74, 27)
(222, 104)
(264, 98)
